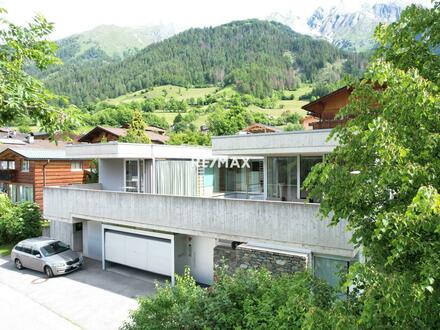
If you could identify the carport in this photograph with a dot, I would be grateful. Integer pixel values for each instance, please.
(140, 249)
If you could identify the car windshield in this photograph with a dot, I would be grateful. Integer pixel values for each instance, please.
(54, 248)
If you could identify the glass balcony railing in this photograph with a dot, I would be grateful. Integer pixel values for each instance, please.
(252, 191)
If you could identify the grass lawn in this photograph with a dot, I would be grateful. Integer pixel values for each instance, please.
(182, 93)
(5, 249)
(166, 91)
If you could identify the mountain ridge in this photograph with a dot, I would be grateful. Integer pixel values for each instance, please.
(255, 56)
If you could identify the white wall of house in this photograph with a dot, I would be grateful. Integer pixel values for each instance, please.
(92, 240)
(201, 259)
(197, 253)
(111, 174)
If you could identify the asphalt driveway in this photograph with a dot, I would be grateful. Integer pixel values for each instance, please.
(87, 299)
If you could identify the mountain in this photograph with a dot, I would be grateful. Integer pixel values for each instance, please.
(349, 25)
(255, 56)
(352, 27)
(112, 40)
(100, 46)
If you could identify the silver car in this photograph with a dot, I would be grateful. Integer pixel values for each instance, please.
(46, 255)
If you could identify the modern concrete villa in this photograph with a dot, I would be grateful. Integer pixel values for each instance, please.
(159, 208)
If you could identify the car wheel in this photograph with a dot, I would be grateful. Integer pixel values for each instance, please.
(48, 271)
(18, 264)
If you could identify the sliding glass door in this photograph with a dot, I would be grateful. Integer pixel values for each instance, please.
(286, 175)
(282, 178)
(135, 176)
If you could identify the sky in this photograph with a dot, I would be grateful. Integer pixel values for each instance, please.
(74, 16)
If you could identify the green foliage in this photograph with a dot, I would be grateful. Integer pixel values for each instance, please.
(191, 138)
(393, 204)
(18, 222)
(136, 130)
(228, 122)
(293, 127)
(250, 54)
(21, 95)
(249, 299)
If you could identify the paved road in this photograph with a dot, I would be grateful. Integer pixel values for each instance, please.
(17, 312)
(87, 299)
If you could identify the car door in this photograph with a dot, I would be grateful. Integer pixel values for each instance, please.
(26, 256)
(36, 261)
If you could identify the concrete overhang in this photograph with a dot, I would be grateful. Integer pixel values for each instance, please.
(117, 150)
(268, 144)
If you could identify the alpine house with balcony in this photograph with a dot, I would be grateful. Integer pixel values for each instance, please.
(160, 208)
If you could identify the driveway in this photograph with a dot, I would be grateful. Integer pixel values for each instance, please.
(87, 299)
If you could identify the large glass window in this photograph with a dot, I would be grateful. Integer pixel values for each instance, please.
(282, 178)
(131, 176)
(13, 193)
(306, 164)
(283, 174)
(135, 176)
(330, 269)
(239, 182)
(19, 193)
(25, 193)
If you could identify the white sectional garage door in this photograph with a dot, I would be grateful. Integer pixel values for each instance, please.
(148, 253)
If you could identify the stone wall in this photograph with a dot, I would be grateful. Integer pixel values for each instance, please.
(247, 257)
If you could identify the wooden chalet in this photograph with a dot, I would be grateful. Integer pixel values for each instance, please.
(25, 171)
(105, 133)
(324, 109)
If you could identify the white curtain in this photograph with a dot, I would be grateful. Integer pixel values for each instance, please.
(176, 177)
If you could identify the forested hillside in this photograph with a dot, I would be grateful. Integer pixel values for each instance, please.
(255, 56)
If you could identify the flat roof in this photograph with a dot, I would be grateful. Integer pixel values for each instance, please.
(40, 153)
(279, 143)
(119, 150)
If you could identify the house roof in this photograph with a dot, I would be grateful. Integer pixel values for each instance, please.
(261, 128)
(316, 107)
(121, 132)
(38, 153)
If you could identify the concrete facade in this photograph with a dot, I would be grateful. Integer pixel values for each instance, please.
(245, 257)
(293, 224)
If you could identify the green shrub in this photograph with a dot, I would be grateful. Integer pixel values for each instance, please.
(18, 222)
(248, 299)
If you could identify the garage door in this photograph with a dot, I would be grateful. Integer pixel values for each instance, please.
(148, 253)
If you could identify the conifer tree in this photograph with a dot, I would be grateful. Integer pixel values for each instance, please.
(136, 130)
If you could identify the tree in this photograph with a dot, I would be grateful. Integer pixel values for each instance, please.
(249, 299)
(227, 122)
(136, 130)
(384, 176)
(21, 95)
(191, 138)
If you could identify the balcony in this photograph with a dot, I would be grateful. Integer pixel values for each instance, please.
(8, 175)
(327, 124)
(295, 224)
